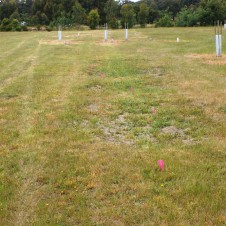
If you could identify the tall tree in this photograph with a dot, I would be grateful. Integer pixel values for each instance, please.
(128, 15)
(143, 14)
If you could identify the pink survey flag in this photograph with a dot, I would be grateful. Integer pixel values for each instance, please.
(153, 110)
(161, 164)
(131, 88)
(102, 75)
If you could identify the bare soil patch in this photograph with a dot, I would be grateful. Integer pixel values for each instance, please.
(209, 58)
(111, 42)
(57, 42)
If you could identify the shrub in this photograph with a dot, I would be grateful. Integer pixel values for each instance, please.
(128, 15)
(10, 25)
(143, 14)
(113, 23)
(93, 19)
(18, 28)
(165, 20)
(24, 28)
(48, 28)
(187, 17)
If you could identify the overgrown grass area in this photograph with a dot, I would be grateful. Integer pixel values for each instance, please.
(83, 123)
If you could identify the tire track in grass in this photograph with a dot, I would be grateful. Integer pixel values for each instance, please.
(31, 191)
(28, 193)
(12, 51)
(24, 61)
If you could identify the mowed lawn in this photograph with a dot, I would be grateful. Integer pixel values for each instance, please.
(83, 123)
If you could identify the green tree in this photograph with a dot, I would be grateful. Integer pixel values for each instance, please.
(143, 14)
(128, 15)
(111, 10)
(172, 6)
(7, 8)
(93, 19)
(187, 17)
(165, 20)
(212, 10)
(78, 14)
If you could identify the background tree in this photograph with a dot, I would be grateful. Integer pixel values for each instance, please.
(165, 20)
(187, 17)
(143, 14)
(7, 8)
(212, 10)
(78, 14)
(128, 15)
(93, 19)
(111, 11)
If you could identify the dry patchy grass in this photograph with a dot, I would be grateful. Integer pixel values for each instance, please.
(83, 124)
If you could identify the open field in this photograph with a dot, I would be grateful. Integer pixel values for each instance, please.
(83, 123)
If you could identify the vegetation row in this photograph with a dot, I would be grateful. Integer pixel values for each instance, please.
(16, 15)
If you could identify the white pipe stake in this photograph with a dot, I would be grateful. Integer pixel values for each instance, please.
(106, 32)
(127, 34)
(59, 35)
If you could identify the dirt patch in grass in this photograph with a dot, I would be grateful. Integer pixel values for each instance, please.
(96, 88)
(57, 42)
(154, 71)
(179, 133)
(111, 42)
(121, 131)
(175, 41)
(3, 110)
(93, 108)
(116, 131)
(172, 130)
(209, 58)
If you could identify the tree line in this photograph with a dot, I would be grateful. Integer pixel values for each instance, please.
(18, 14)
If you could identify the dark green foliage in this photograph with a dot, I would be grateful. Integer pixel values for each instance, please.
(10, 25)
(143, 15)
(212, 10)
(187, 17)
(73, 13)
(93, 19)
(165, 20)
(78, 14)
(113, 23)
(128, 15)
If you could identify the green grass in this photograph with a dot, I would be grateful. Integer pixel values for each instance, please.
(79, 149)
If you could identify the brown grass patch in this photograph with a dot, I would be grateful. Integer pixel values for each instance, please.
(57, 42)
(111, 42)
(175, 41)
(209, 58)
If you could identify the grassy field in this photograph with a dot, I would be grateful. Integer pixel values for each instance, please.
(83, 123)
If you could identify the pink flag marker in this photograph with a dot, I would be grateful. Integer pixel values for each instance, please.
(153, 110)
(161, 164)
(131, 88)
(102, 75)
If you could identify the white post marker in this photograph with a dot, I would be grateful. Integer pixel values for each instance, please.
(126, 32)
(178, 40)
(59, 33)
(225, 24)
(105, 32)
(218, 38)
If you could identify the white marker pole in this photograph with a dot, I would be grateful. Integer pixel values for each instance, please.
(126, 32)
(217, 44)
(59, 33)
(218, 39)
(225, 24)
(105, 32)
